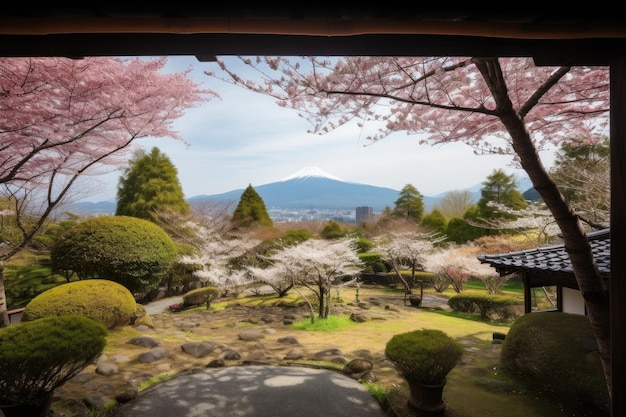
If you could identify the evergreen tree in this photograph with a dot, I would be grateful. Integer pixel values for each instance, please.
(502, 189)
(582, 173)
(410, 204)
(250, 210)
(149, 185)
(435, 221)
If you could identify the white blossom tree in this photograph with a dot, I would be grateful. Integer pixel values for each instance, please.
(216, 246)
(406, 250)
(455, 265)
(318, 265)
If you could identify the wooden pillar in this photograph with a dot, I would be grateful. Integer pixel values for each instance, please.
(618, 233)
(528, 306)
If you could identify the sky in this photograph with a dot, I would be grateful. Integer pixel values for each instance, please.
(245, 138)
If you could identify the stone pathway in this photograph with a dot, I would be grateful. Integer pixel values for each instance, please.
(183, 343)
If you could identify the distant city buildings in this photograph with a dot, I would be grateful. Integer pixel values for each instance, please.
(363, 214)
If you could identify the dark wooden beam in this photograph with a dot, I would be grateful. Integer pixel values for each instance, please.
(545, 51)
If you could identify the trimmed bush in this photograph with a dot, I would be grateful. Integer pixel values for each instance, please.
(39, 356)
(486, 305)
(424, 356)
(200, 296)
(557, 353)
(134, 252)
(106, 302)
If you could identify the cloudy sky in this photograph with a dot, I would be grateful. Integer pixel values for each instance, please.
(245, 138)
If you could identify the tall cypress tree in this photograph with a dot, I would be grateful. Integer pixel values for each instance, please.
(150, 184)
(250, 210)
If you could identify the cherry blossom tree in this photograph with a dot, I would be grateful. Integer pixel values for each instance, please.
(318, 265)
(406, 251)
(495, 105)
(65, 119)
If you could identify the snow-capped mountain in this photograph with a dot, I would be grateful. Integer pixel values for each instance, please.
(308, 188)
(311, 172)
(312, 187)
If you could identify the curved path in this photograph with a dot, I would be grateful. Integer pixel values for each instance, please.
(256, 391)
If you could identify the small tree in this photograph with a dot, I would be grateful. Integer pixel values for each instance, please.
(148, 185)
(133, 252)
(410, 204)
(320, 265)
(406, 250)
(251, 210)
(502, 189)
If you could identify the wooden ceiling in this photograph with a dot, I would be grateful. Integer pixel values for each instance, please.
(550, 36)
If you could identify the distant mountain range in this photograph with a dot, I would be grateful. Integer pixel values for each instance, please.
(309, 188)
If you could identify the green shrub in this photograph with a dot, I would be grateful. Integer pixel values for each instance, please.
(424, 356)
(134, 252)
(487, 305)
(557, 352)
(200, 296)
(37, 357)
(104, 301)
(372, 262)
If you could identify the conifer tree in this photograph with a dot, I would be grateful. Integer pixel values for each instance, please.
(250, 210)
(149, 185)
(502, 189)
(410, 204)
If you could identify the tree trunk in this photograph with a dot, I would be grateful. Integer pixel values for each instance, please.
(590, 283)
(4, 312)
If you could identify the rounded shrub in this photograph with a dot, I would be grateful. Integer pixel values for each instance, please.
(106, 302)
(200, 296)
(424, 356)
(134, 252)
(39, 356)
(557, 352)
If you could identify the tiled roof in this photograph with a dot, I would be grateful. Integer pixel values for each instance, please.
(551, 259)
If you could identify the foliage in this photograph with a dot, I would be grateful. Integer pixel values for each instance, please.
(332, 230)
(488, 305)
(557, 351)
(318, 265)
(502, 189)
(410, 204)
(495, 105)
(582, 173)
(435, 222)
(134, 252)
(148, 185)
(406, 251)
(23, 283)
(39, 356)
(69, 118)
(372, 262)
(455, 203)
(424, 356)
(103, 301)
(250, 210)
(460, 231)
(199, 296)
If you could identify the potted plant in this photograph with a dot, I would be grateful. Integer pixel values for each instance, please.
(424, 358)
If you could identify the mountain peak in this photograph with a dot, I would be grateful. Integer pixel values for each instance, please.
(311, 172)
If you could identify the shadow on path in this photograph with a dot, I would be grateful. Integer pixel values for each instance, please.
(255, 391)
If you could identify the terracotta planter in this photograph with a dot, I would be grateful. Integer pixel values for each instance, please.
(427, 400)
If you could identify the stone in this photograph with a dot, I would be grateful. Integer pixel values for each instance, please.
(249, 335)
(198, 349)
(106, 368)
(143, 341)
(153, 355)
(358, 365)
